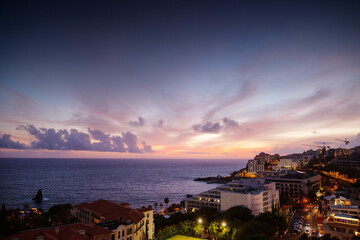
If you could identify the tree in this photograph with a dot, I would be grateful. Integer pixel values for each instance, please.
(161, 206)
(277, 221)
(219, 230)
(239, 212)
(160, 222)
(26, 206)
(166, 201)
(60, 214)
(155, 207)
(186, 228)
(208, 214)
(254, 229)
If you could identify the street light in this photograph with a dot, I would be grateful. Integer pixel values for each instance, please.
(199, 220)
(223, 224)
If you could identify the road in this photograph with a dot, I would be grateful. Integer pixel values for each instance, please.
(310, 215)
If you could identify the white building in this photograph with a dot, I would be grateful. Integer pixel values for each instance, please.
(286, 163)
(256, 194)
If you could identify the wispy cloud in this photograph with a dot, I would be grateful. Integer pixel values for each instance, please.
(243, 93)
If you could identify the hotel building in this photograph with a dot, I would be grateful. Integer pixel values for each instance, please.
(256, 194)
(124, 222)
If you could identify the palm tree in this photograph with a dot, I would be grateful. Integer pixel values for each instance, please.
(161, 205)
(166, 201)
(156, 206)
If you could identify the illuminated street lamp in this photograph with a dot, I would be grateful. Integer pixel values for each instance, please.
(199, 220)
(223, 224)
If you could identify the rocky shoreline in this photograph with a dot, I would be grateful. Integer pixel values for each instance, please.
(211, 180)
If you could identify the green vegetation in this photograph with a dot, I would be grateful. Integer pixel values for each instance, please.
(15, 220)
(235, 223)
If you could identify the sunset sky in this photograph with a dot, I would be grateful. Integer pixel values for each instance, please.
(177, 79)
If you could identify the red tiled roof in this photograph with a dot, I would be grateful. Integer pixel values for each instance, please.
(66, 232)
(146, 209)
(112, 211)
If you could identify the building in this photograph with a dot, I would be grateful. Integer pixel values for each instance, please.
(124, 222)
(266, 158)
(255, 166)
(256, 194)
(337, 200)
(77, 231)
(286, 163)
(342, 221)
(296, 184)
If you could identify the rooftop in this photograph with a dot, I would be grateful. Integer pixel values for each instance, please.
(77, 231)
(111, 211)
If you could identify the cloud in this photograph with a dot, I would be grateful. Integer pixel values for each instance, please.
(246, 91)
(315, 132)
(216, 127)
(208, 127)
(159, 124)
(147, 148)
(322, 143)
(131, 141)
(6, 142)
(229, 123)
(94, 140)
(139, 123)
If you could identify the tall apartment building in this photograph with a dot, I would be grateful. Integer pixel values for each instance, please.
(124, 222)
(255, 166)
(256, 194)
(342, 221)
(296, 184)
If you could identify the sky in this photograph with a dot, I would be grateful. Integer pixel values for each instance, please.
(177, 79)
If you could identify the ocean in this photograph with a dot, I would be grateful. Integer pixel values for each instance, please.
(139, 182)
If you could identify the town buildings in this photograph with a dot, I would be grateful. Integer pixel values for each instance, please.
(342, 221)
(77, 231)
(254, 166)
(286, 163)
(256, 194)
(124, 222)
(296, 184)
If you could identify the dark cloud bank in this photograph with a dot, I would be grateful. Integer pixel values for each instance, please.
(63, 139)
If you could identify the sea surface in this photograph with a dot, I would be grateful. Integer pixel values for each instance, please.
(140, 182)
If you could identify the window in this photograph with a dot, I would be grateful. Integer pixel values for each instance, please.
(129, 231)
(123, 232)
(118, 234)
